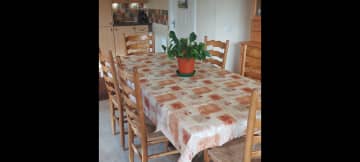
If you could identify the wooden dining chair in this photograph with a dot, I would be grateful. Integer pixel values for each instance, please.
(139, 44)
(114, 93)
(244, 149)
(250, 60)
(138, 124)
(220, 54)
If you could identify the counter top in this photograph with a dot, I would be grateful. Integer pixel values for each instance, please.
(133, 24)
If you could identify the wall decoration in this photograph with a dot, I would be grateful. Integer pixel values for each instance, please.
(157, 16)
(182, 4)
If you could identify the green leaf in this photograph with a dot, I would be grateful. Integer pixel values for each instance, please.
(192, 37)
(172, 35)
(207, 53)
(164, 48)
(185, 47)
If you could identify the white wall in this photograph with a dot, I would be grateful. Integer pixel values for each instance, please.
(225, 20)
(157, 4)
(160, 31)
(185, 19)
(171, 13)
(206, 19)
(182, 20)
(161, 36)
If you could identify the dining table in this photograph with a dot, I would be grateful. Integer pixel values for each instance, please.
(195, 113)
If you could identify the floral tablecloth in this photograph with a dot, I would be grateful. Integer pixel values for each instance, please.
(195, 113)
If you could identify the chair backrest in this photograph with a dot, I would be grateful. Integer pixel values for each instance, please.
(133, 106)
(110, 77)
(220, 54)
(139, 44)
(253, 132)
(250, 60)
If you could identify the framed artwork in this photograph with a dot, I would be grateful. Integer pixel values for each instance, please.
(182, 4)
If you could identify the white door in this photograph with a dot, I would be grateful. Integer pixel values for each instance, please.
(182, 20)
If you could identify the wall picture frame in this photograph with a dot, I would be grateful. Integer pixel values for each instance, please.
(182, 3)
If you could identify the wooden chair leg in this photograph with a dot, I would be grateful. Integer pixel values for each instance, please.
(130, 141)
(122, 130)
(112, 113)
(206, 156)
(144, 154)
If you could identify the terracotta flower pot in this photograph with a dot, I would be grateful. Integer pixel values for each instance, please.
(186, 65)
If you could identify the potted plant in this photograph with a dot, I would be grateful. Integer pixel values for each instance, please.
(186, 51)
